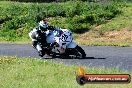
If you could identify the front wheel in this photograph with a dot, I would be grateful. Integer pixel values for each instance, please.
(80, 53)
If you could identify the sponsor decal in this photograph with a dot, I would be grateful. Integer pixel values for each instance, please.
(83, 78)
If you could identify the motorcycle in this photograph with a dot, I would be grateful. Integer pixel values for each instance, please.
(61, 43)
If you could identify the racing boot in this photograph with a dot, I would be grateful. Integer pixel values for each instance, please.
(41, 53)
(34, 44)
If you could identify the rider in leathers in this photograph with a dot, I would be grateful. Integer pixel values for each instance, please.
(38, 34)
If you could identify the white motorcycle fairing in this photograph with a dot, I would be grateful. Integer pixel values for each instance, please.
(64, 40)
(71, 45)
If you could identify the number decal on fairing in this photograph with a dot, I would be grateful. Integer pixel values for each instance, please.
(64, 38)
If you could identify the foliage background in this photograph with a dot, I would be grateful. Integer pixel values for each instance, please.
(17, 19)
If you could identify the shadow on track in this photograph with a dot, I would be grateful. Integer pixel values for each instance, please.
(93, 58)
(58, 57)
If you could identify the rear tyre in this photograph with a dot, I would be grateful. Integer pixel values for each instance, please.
(80, 52)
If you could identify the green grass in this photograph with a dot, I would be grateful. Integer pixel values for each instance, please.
(104, 43)
(36, 73)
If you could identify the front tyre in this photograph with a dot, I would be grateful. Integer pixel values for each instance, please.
(80, 53)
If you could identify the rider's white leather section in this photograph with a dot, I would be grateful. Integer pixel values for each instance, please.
(38, 47)
(31, 33)
(34, 30)
(47, 32)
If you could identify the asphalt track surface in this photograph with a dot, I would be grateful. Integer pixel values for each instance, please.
(97, 56)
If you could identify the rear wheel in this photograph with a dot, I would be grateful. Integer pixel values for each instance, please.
(80, 53)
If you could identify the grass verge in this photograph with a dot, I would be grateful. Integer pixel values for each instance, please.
(35, 73)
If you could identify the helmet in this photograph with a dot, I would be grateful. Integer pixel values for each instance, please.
(43, 25)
